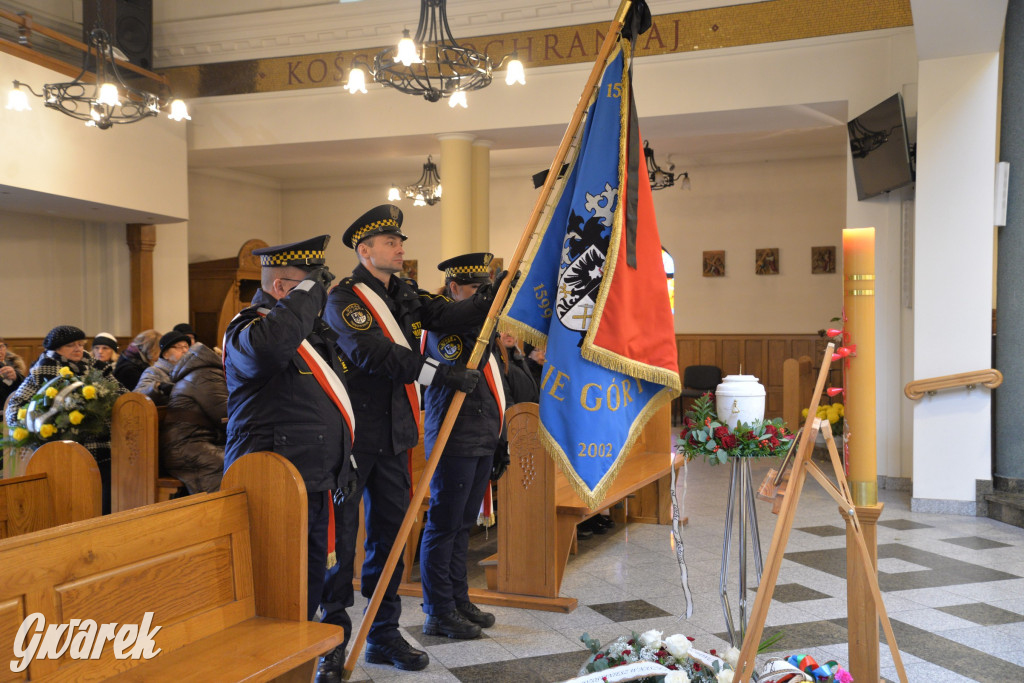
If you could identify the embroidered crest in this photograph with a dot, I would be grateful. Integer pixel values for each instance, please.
(583, 256)
(357, 317)
(450, 347)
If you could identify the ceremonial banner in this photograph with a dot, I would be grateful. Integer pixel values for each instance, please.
(595, 292)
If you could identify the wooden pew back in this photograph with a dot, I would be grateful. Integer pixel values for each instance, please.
(135, 454)
(61, 485)
(190, 562)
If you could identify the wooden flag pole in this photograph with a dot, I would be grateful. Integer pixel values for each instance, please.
(484, 339)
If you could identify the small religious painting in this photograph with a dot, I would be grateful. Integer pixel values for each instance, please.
(766, 261)
(495, 266)
(823, 260)
(714, 263)
(410, 269)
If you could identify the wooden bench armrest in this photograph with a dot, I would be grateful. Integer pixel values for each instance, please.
(258, 649)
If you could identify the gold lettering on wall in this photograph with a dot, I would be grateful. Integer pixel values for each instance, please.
(707, 29)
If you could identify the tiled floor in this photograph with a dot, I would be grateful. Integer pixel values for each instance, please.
(953, 587)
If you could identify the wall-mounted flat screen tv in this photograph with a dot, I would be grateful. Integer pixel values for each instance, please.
(880, 148)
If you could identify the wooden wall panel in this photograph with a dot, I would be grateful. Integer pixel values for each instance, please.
(761, 355)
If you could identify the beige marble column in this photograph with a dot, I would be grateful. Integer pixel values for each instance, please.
(481, 196)
(456, 170)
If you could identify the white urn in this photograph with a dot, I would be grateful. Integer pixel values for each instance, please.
(739, 398)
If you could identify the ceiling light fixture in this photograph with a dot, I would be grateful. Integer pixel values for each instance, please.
(424, 192)
(433, 64)
(98, 95)
(661, 179)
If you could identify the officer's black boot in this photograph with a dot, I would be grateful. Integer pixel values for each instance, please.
(452, 624)
(397, 653)
(475, 614)
(329, 668)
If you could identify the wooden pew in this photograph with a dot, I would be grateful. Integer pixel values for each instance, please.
(539, 511)
(223, 574)
(135, 455)
(61, 485)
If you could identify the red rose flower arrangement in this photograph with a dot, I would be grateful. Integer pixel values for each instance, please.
(703, 434)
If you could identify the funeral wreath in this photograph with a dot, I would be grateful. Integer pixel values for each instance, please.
(68, 407)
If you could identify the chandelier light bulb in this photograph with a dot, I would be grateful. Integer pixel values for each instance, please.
(17, 100)
(419, 201)
(407, 54)
(393, 194)
(458, 98)
(515, 73)
(438, 193)
(179, 111)
(109, 95)
(684, 183)
(356, 81)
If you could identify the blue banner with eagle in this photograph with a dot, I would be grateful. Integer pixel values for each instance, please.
(594, 291)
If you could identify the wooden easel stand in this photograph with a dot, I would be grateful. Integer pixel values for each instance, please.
(840, 492)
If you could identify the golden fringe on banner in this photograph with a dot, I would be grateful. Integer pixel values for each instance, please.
(594, 498)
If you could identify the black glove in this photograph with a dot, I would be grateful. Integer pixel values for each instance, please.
(165, 388)
(459, 379)
(321, 275)
(487, 290)
(501, 460)
(347, 483)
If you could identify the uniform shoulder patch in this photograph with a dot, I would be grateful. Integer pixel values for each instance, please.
(348, 282)
(357, 317)
(450, 346)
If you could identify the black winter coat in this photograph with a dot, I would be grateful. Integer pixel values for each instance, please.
(129, 368)
(378, 369)
(274, 401)
(193, 433)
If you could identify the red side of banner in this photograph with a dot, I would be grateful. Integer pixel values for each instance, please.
(636, 321)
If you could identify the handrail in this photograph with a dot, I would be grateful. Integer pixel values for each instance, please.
(990, 378)
(24, 50)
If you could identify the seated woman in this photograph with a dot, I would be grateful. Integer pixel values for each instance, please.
(65, 348)
(140, 354)
(155, 381)
(193, 432)
(104, 350)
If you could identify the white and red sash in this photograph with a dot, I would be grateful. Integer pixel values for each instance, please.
(392, 330)
(327, 379)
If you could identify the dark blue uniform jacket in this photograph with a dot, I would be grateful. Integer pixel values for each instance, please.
(476, 431)
(274, 401)
(379, 369)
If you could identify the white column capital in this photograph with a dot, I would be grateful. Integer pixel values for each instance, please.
(456, 136)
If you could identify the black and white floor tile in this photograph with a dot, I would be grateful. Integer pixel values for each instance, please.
(953, 587)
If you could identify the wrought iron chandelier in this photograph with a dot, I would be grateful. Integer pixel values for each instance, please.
(103, 100)
(424, 192)
(433, 64)
(661, 179)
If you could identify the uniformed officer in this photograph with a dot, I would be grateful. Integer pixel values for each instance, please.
(462, 476)
(285, 388)
(379, 318)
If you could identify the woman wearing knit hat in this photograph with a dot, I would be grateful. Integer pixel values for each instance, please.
(104, 350)
(65, 348)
